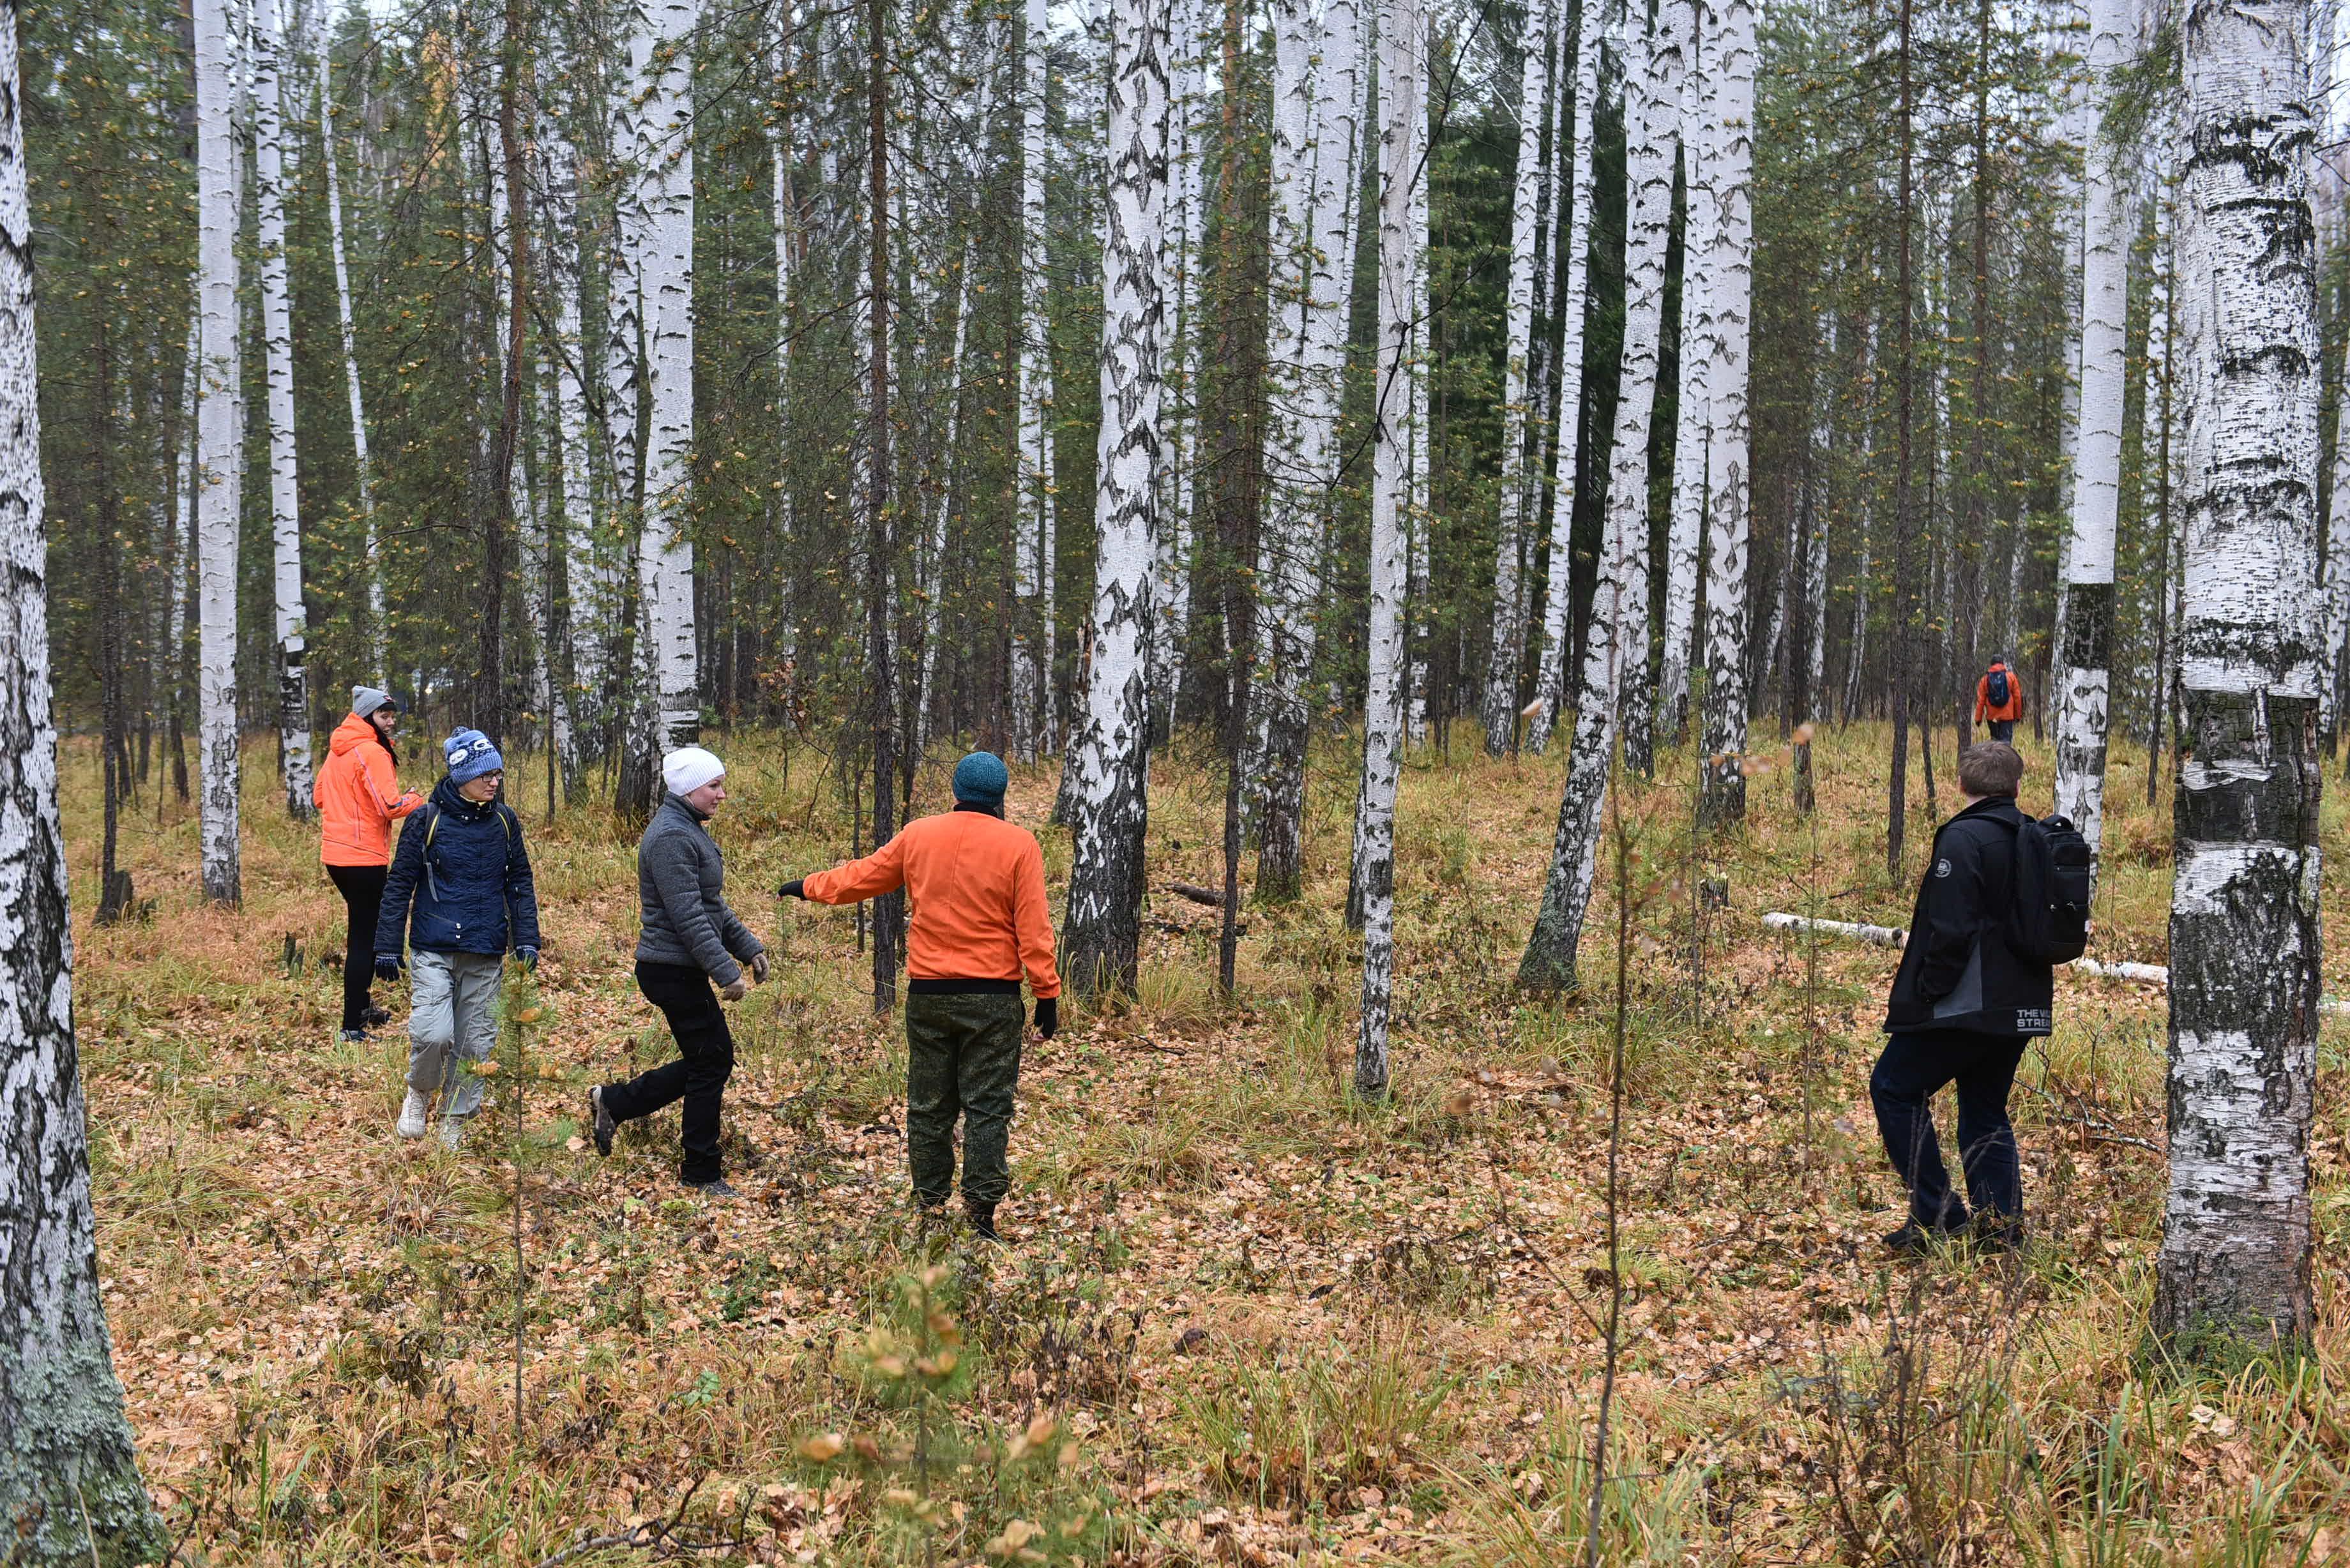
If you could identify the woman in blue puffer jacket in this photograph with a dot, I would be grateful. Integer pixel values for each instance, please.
(461, 869)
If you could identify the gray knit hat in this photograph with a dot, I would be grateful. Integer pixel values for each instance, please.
(366, 699)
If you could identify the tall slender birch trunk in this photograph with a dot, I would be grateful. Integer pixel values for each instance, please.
(69, 1482)
(2336, 593)
(292, 623)
(1506, 648)
(1550, 685)
(1400, 71)
(1700, 133)
(1032, 658)
(666, 549)
(1613, 645)
(2083, 696)
(378, 629)
(1112, 745)
(1730, 83)
(1420, 521)
(2244, 933)
(219, 447)
(589, 578)
(1187, 234)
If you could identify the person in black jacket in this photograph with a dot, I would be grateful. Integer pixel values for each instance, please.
(1962, 1007)
(463, 869)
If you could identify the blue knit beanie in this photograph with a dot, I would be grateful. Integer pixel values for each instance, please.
(980, 779)
(471, 754)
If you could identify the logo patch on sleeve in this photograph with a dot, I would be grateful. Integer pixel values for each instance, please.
(1942, 868)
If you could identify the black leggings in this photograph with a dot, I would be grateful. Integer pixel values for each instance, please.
(362, 890)
(705, 1053)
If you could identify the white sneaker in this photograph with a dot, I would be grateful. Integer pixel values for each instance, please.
(412, 1111)
(453, 1131)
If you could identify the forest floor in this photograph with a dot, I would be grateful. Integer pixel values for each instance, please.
(1240, 1318)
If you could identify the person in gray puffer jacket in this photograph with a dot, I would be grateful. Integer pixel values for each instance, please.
(691, 942)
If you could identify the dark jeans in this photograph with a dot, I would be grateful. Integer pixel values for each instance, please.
(705, 1053)
(362, 890)
(963, 1058)
(2004, 729)
(1915, 1063)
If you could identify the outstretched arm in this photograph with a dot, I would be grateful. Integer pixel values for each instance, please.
(883, 871)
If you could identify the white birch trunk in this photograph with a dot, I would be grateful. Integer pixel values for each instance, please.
(292, 622)
(1506, 647)
(69, 1483)
(1186, 235)
(1730, 148)
(1550, 686)
(666, 71)
(1033, 615)
(2082, 698)
(1614, 644)
(590, 581)
(2337, 573)
(1701, 136)
(1112, 746)
(2244, 932)
(378, 629)
(1400, 70)
(1415, 371)
(220, 435)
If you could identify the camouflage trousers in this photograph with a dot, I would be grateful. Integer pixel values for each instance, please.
(962, 1059)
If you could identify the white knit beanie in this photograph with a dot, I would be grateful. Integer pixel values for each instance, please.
(688, 768)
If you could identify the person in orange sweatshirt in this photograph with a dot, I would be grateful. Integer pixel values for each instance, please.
(977, 886)
(1999, 700)
(359, 797)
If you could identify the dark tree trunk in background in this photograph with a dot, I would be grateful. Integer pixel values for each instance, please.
(888, 910)
(1905, 594)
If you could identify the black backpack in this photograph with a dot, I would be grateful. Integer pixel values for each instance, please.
(2054, 871)
(1996, 687)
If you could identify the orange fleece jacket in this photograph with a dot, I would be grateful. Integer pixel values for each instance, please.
(359, 797)
(977, 886)
(2009, 710)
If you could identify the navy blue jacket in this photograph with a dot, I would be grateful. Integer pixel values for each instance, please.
(472, 889)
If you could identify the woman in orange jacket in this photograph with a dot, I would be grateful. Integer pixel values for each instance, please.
(1998, 700)
(359, 797)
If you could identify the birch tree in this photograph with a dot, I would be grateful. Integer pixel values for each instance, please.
(1699, 135)
(2088, 607)
(1187, 231)
(69, 1482)
(277, 352)
(589, 573)
(2244, 933)
(220, 448)
(1400, 74)
(664, 69)
(1730, 148)
(1613, 645)
(1032, 653)
(1111, 748)
(378, 630)
(1507, 646)
(1550, 683)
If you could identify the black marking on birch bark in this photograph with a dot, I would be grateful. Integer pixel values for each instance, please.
(2220, 727)
(2089, 625)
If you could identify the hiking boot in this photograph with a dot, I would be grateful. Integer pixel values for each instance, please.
(983, 1219)
(356, 1036)
(1916, 1240)
(600, 1125)
(452, 1132)
(716, 1186)
(376, 1017)
(413, 1113)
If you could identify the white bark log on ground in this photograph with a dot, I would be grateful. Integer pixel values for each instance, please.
(377, 631)
(1731, 283)
(1505, 649)
(1400, 70)
(1612, 645)
(1111, 748)
(1550, 684)
(2244, 932)
(1033, 610)
(667, 260)
(219, 451)
(2083, 696)
(291, 625)
(69, 1486)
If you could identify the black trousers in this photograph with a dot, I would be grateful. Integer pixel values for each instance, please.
(705, 1053)
(1916, 1063)
(362, 890)
(2002, 730)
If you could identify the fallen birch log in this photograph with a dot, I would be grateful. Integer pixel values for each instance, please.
(1197, 893)
(1890, 937)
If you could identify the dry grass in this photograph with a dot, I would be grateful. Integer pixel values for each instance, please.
(1258, 1323)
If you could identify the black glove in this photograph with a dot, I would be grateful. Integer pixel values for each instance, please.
(527, 958)
(1048, 1015)
(387, 968)
(793, 888)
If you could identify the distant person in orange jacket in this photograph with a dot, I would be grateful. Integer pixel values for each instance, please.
(359, 797)
(1999, 700)
(977, 886)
